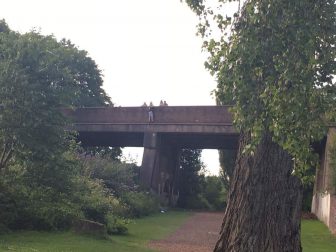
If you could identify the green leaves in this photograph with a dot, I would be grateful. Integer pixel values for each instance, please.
(278, 68)
(38, 76)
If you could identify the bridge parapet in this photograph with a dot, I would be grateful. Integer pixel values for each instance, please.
(162, 115)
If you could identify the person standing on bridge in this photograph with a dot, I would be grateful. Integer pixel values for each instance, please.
(151, 112)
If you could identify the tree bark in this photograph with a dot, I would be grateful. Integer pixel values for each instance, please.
(264, 203)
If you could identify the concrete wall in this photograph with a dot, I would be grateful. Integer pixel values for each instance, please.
(324, 198)
(321, 207)
(332, 217)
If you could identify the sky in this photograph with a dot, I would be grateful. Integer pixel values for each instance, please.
(147, 50)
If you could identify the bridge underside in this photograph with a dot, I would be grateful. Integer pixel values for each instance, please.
(177, 140)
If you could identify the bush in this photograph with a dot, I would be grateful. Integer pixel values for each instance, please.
(29, 207)
(121, 179)
(116, 225)
(25, 206)
(117, 176)
(198, 202)
(8, 209)
(215, 193)
(140, 203)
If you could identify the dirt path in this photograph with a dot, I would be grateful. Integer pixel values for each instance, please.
(198, 234)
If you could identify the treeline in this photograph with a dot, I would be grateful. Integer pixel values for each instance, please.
(196, 190)
(47, 181)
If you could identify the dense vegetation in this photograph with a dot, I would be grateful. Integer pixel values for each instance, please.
(47, 181)
(198, 191)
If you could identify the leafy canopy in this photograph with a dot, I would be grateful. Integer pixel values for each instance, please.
(275, 62)
(38, 76)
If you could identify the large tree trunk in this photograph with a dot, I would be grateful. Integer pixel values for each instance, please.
(264, 204)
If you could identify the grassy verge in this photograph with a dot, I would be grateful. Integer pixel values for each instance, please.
(140, 232)
(315, 237)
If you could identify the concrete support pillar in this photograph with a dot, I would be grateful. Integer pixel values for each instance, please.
(149, 159)
(160, 164)
(164, 173)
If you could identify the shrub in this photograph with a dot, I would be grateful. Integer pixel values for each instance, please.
(215, 193)
(30, 207)
(198, 202)
(116, 225)
(117, 176)
(96, 201)
(140, 203)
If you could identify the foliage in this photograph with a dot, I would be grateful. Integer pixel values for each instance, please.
(27, 206)
(39, 75)
(24, 205)
(140, 203)
(122, 179)
(212, 195)
(116, 225)
(105, 152)
(42, 186)
(196, 191)
(95, 200)
(215, 193)
(275, 60)
(118, 176)
(190, 178)
(227, 160)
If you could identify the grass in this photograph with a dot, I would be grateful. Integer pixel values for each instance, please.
(140, 232)
(315, 237)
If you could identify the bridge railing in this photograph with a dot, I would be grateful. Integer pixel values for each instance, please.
(162, 115)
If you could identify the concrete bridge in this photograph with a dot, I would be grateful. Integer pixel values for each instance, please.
(173, 128)
(177, 127)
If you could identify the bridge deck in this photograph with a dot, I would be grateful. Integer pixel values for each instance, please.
(183, 126)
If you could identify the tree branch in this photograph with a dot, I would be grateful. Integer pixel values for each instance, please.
(6, 154)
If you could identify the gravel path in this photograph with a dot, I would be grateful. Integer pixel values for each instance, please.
(198, 234)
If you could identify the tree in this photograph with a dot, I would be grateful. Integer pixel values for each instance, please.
(40, 181)
(38, 76)
(106, 152)
(215, 193)
(275, 60)
(189, 178)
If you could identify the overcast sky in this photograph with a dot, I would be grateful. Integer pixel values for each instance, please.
(147, 50)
